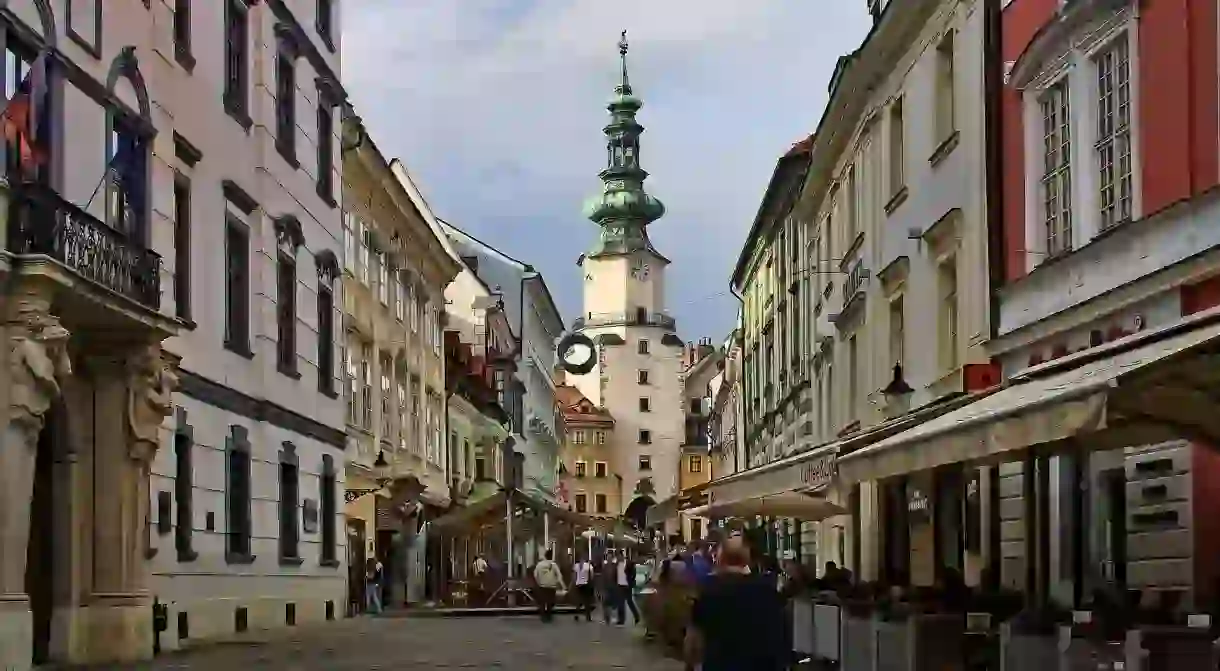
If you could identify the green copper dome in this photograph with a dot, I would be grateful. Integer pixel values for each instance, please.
(623, 209)
(624, 204)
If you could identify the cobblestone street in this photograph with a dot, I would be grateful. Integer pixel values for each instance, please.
(522, 643)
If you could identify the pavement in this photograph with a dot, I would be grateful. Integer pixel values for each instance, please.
(508, 643)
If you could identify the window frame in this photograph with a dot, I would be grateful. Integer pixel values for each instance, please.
(644, 463)
(237, 289)
(289, 506)
(182, 246)
(286, 314)
(236, 90)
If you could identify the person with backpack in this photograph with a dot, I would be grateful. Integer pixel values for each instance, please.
(549, 579)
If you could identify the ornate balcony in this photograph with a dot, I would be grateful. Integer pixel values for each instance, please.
(42, 223)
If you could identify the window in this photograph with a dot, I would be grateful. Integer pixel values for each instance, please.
(290, 503)
(127, 176)
(897, 330)
(329, 511)
(645, 437)
(387, 397)
(694, 463)
(237, 495)
(696, 528)
(694, 405)
(600, 437)
(351, 372)
(581, 470)
(400, 296)
(599, 504)
(645, 462)
(182, 32)
(364, 256)
(897, 149)
(326, 339)
(324, 22)
(853, 379)
(642, 377)
(184, 487)
(1113, 70)
(948, 313)
(1056, 169)
(578, 437)
(383, 279)
(286, 105)
(599, 469)
(413, 308)
(286, 314)
(237, 55)
(645, 404)
(237, 287)
(366, 388)
(326, 150)
(642, 346)
(581, 503)
(182, 247)
(403, 409)
(946, 125)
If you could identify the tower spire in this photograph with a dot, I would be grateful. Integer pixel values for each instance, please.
(624, 209)
(624, 88)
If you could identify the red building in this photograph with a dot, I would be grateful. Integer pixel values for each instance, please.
(1109, 224)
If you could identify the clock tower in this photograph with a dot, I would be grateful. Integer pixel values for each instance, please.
(638, 376)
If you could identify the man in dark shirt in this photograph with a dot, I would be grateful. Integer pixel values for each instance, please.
(738, 622)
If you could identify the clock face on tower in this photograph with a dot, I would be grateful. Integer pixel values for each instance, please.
(639, 270)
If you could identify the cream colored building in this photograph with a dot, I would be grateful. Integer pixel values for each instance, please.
(191, 162)
(479, 422)
(587, 481)
(871, 245)
(395, 273)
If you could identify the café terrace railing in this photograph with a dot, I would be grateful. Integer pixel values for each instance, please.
(41, 222)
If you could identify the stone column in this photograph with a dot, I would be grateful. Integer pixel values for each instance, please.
(35, 362)
(132, 402)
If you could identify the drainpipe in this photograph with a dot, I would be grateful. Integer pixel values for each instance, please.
(740, 299)
(993, 64)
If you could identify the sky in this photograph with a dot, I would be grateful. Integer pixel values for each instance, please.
(496, 108)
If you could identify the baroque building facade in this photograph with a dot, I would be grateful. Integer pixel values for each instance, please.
(588, 483)
(395, 270)
(135, 124)
(530, 390)
(638, 374)
(871, 245)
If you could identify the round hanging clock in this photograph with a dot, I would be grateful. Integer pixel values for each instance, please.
(577, 353)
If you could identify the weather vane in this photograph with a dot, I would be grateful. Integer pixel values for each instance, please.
(622, 44)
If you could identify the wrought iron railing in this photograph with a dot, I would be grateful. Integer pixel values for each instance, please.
(624, 319)
(42, 222)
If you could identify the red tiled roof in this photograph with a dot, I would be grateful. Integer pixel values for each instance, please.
(577, 408)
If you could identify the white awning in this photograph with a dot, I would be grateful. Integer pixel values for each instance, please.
(799, 505)
(1148, 388)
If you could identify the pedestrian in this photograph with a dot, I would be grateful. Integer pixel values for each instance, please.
(373, 572)
(609, 586)
(625, 592)
(479, 584)
(738, 619)
(583, 580)
(549, 579)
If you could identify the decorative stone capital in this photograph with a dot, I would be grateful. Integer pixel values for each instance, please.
(152, 380)
(38, 362)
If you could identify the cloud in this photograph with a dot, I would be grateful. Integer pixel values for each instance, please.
(497, 106)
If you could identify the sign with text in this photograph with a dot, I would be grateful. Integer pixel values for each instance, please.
(819, 471)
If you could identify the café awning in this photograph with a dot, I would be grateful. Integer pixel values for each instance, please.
(1149, 387)
(804, 506)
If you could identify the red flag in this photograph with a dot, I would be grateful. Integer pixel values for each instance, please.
(22, 115)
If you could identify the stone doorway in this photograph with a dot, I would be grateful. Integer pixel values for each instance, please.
(40, 562)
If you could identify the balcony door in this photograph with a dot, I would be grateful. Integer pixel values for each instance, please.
(126, 177)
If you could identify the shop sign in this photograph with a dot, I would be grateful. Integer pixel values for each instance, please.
(918, 504)
(819, 472)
